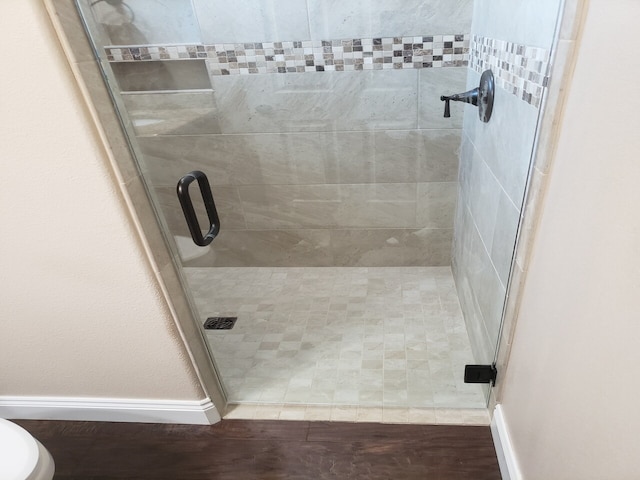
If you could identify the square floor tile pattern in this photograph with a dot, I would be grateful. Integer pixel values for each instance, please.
(378, 337)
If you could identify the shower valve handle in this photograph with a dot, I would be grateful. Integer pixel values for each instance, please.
(467, 97)
(481, 97)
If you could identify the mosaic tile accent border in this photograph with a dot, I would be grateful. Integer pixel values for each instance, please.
(311, 55)
(519, 69)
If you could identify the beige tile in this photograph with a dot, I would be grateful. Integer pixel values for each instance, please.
(263, 21)
(268, 412)
(396, 155)
(424, 416)
(306, 158)
(226, 200)
(316, 413)
(571, 17)
(341, 413)
(504, 237)
(327, 18)
(434, 82)
(176, 113)
(285, 248)
(505, 143)
(536, 192)
(69, 19)
(331, 101)
(105, 112)
(369, 414)
(436, 204)
(293, 412)
(322, 347)
(554, 98)
(300, 158)
(438, 157)
(520, 22)
(176, 23)
(322, 206)
(145, 217)
(384, 247)
(483, 198)
(461, 416)
(490, 294)
(395, 415)
(241, 412)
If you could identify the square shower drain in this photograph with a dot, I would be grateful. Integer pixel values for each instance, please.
(220, 323)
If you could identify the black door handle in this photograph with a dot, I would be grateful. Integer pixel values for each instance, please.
(190, 213)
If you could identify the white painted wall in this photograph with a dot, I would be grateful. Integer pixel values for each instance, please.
(571, 393)
(81, 311)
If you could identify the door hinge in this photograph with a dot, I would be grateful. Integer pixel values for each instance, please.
(480, 374)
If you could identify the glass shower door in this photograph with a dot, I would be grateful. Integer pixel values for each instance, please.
(334, 173)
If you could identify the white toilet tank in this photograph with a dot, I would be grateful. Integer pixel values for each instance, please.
(22, 457)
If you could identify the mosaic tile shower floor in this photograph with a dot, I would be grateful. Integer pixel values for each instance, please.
(382, 337)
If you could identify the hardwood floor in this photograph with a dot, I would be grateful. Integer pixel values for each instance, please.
(242, 449)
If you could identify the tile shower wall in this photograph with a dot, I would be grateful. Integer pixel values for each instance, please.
(513, 38)
(350, 167)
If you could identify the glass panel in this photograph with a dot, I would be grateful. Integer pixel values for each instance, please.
(173, 113)
(336, 180)
(143, 22)
(495, 158)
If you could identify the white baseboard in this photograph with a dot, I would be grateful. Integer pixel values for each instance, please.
(504, 450)
(198, 412)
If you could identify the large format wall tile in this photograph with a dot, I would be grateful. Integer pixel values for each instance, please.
(172, 113)
(505, 143)
(438, 155)
(324, 206)
(239, 159)
(520, 21)
(144, 22)
(331, 209)
(503, 242)
(436, 204)
(388, 18)
(381, 156)
(268, 248)
(482, 345)
(481, 293)
(323, 248)
(264, 159)
(465, 169)
(358, 100)
(302, 164)
(483, 199)
(227, 202)
(228, 21)
(391, 247)
(490, 293)
(434, 82)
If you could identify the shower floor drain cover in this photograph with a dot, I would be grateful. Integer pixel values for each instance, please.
(220, 323)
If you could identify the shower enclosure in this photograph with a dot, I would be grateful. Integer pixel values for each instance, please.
(341, 189)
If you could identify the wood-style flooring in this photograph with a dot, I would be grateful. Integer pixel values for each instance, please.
(255, 449)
